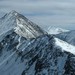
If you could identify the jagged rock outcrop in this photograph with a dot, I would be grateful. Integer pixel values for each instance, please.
(40, 56)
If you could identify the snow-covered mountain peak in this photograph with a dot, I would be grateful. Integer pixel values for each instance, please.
(53, 30)
(13, 12)
(22, 26)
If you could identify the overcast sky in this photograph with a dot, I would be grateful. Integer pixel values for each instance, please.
(45, 13)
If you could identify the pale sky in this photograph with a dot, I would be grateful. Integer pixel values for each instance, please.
(45, 13)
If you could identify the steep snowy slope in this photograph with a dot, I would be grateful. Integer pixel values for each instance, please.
(68, 37)
(43, 55)
(53, 30)
(65, 46)
(20, 24)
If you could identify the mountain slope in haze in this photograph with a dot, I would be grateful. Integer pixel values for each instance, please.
(43, 55)
(53, 30)
(68, 37)
(20, 24)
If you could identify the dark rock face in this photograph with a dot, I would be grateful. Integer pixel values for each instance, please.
(70, 65)
(40, 56)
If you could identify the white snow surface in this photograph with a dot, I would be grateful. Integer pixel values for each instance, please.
(65, 46)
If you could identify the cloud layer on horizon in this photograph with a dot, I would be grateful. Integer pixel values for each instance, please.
(43, 12)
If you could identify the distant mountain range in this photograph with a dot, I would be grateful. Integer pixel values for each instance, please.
(68, 37)
(26, 49)
(54, 30)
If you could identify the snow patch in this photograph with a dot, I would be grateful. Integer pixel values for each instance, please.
(65, 46)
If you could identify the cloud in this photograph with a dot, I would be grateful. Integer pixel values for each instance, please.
(43, 12)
